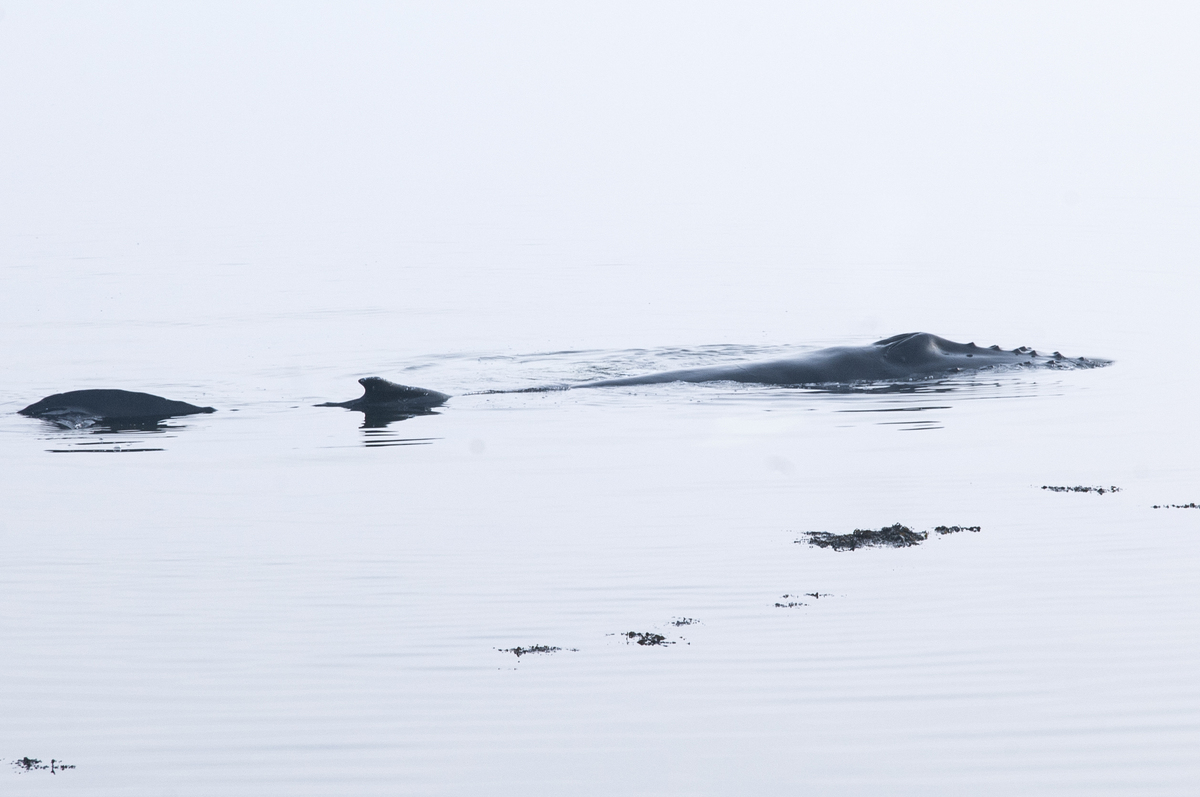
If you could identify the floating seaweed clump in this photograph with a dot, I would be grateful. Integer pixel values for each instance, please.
(794, 601)
(28, 764)
(519, 652)
(893, 536)
(954, 529)
(1081, 489)
(647, 638)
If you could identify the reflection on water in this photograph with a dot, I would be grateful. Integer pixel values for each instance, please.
(375, 425)
(382, 418)
(376, 438)
(120, 437)
(116, 449)
(912, 425)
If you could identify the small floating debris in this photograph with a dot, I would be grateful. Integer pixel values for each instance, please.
(1081, 489)
(101, 450)
(519, 652)
(893, 536)
(1176, 506)
(680, 621)
(646, 638)
(28, 764)
(955, 529)
(791, 604)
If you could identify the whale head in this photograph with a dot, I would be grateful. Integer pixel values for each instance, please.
(916, 348)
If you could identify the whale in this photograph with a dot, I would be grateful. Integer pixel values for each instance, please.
(383, 402)
(77, 409)
(900, 359)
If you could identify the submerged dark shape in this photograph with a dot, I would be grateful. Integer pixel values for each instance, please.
(914, 355)
(124, 408)
(384, 402)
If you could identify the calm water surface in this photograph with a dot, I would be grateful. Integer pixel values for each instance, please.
(273, 600)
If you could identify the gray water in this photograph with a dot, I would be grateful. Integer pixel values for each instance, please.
(251, 208)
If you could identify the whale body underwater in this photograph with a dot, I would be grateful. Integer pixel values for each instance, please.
(901, 358)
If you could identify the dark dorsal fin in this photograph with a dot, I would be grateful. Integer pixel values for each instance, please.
(379, 390)
(922, 347)
(379, 393)
(914, 347)
(897, 338)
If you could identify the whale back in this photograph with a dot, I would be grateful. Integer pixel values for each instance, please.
(110, 405)
(377, 390)
(380, 395)
(906, 357)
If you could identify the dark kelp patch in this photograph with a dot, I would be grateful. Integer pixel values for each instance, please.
(1081, 489)
(648, 638)
(28, 764)
(955, 529)
(896, 535)
(893, 536)
(1176, 506)
(519, 652)
(789, 601)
